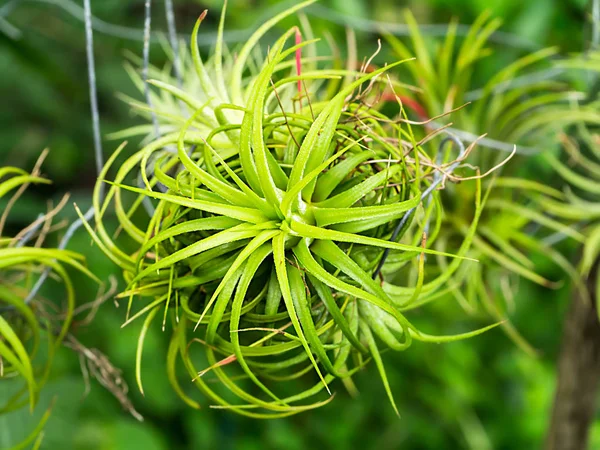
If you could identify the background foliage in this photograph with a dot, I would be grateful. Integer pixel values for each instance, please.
(478, 394)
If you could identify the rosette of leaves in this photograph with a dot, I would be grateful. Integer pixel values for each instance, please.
(519, 109)
(266, 231)
(26, 324)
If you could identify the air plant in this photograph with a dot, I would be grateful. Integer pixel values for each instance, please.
(274, 195)
(520, 109)
(577, 206)
(579, 168)
(26, 323)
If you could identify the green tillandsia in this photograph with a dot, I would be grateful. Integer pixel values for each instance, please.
(519, 110)
(24, 325)
(579, 168)
(267, 228)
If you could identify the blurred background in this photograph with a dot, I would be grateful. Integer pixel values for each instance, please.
(478, 394)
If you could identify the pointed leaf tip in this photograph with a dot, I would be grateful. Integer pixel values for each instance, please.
(299, 59)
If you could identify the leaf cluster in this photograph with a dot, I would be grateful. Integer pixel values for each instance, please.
(272, 196)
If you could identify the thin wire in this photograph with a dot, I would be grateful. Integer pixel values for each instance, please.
(93, 93)
(437, 180)
(146, 203)
(147, 26)
(554, 238)
(595, 24)
(146, 64)
(27, 237)
(61, 246)
(172, 30)
(488, 142)
(89, 47)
